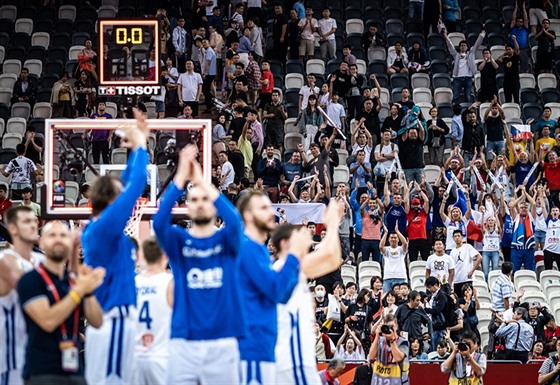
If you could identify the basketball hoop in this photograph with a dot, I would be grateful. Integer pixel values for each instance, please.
(132, 228)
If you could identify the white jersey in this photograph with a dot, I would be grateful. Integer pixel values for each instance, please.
(552, 240)
(440, 265)
(13, 333)
(295, 345)
(154, 315)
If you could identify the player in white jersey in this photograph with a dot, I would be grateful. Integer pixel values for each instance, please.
(154, 292)
(295, 345)
(23, 227)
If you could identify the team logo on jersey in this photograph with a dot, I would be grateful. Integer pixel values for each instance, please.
(205, 279)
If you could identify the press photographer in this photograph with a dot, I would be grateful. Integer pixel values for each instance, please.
(389, 354)
(465, 365)
(549, 373)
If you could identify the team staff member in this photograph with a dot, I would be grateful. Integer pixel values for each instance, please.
(106, 245)
(53, 304)
(203, 344)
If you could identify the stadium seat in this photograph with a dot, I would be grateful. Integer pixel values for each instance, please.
(394, 26)
(2, 54)
(534, 296)
(385, 96)
(292, 140)
(67, 12)
(497, 51)
(21, 109)
(416, 266)
(295, 66)
(456, 38)
(377, 53)
(53, 67)
(43, 25)
(72, 191)
(24, 26)
(439, 67)
(106, 12)
(425, 107)
(315, 66)
(119, 156)
(549, 276)
(341, 175)
(396, 96)
(16, 53)
(80, 38)
(42, 110)
(421, 95)
(473, 26)
(441, 80)
(342, 155)
(151, 109)
(420, 80)
(550, 95)
(8, 12)
(34, 66)
(290, 126)
(354, 26)
(47, 81)
(555, 107)
(527, 81)
(511, 110)
(398, 81)
(11, 140)
(294, 80)
(57, 53)
(16, 126)
(529, 95)
(83, 26)
(40, 39)
(370, 268)
(445, 110)
(8, 80)
(111, 108)
(362, 66)
(546, 80)
(496, 39)
(74, 51)
(443, 95)
(377, 67)
(432, 173)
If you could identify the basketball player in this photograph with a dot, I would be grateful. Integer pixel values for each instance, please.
(263, 288)
(23, 227)
(154, 290)
(295, 347)
(109, 349)
(203, 346)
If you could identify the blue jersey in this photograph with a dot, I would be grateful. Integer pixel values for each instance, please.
(105, 243)
(263, 289)
(206, 294)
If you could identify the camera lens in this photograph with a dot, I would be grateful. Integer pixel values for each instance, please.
(463, 346)
(386, 329)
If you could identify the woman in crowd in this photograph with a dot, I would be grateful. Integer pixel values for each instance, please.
(490, 244)
(389, 304)
(354, 97)
(62, 98)
(85, 92)
(416, 351)
(437, 130)
(350, 296)
(376, 296)
(87, 58)
(310, 121)
(349, 346)
(358, 315)
(469, 305)
(537, 351)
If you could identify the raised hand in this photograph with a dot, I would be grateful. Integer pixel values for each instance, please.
(88, 280)
(300, 242)
(135, 136)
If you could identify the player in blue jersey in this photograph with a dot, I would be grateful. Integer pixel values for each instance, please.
(109, 349)
(203, 347)
(263, 288)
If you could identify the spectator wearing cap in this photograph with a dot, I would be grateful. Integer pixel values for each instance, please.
(22, 170)
(417, 216)
(518, 335)
(538, 317)
(397, 60)
(502, 290)
(190, 88)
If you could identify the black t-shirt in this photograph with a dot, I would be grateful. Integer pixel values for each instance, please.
(199, 13)
(488, 76)
(544, 44)
(43, 354)
(279, 21)
(320, 307)
(31, 152)
(494, 128)
(511, 68)
(411, 153)
(341, 84)
(406, 106)
(371, 120)
(238, 162)
(236, 128)
(362, 312)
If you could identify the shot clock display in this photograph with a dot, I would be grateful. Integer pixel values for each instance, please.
(129, 52)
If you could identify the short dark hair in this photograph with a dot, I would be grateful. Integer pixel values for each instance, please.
(275, 92)
(350, 284)
(507, 267)
(20, 149)
(281, 233)
(152, 250)
(13, 212)
(432, 281)
(470, 336)
(347, 46)
(457, 232)
(412, 295)
(405, 284)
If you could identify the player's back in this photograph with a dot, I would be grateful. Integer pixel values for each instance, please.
(154, 315)
(13, 330)
(295, 346)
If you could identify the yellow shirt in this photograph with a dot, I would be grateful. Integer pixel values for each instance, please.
(544, 145)
(247, 150)
(518, 146)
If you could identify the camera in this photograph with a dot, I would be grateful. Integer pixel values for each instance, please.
(386, 329)
(554, 359)
(463, 346)
(376, 218)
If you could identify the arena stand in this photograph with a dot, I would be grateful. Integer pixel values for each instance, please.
(47, 40)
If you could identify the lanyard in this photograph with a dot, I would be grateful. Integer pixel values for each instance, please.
(54, 291)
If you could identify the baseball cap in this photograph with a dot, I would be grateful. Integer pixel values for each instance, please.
(533, 305)
(415, 201)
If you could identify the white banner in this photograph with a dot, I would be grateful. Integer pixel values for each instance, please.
(296, 212)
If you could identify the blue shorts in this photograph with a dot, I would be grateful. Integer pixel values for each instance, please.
(160, 106)
(540, 236)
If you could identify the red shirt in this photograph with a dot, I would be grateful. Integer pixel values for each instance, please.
(267, 89)
(4, 206)
(548, 334)
(417, 224)
(552, 174)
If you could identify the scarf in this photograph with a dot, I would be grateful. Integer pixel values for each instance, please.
(523, 233)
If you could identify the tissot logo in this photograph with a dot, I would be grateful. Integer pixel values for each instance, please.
(128, 90)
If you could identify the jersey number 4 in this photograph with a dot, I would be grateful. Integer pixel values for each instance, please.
(144, 315)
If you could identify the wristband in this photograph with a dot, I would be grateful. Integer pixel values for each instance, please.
(75, 297)
(88, 295)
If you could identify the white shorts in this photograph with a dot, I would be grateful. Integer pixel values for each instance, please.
(11, 377)
(150, 371)
(258, 373)
(212, 362)
(109, 350)
(301, 375)
(536, 16)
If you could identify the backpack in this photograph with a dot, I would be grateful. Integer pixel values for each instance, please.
(451, 317)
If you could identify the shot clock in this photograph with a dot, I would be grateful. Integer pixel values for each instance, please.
(129, 52)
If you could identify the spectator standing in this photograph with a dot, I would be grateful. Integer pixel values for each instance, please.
(354, 97)
(520, 29)
(440, 265)
(416, 10)
(537, 13)
(371, 214)
(417, 216)
(362, 140)
(85, 94)
(464, 67)
(100, 139)
(87, 58)
(33, 146)
(438, 303)
(384, 153)
(171, 99)
(432, 15)
(457, 129)
(502, 290)
(474, 138)
(437, 131)
(510, 59)
(275, 114)
(270, 170)
(237, 161)
(466, 259)
(267, 85)
(411, 150)
(545, 48)
(293, 35)
(52, 305)
(26, 195)
(451, 15)
(389, 354)
(24, 90)
(22, 170)
(411, 316)
(395, 204)
(326, 29)
(519, 336)
(392, 123)
(227, 175)
(256, 37)
(306, 91)
(253, 73)
(490, 244)
(280, 33)
(393, 259)
(494, 118)
(307, 27)
(245, 46)
(372, 39)
(488, 86)
(180, 42)
(299, 7)
(545, 120)
(360, 170)
(189, 88)
(523, 244)
(209, 72)
(63, 98)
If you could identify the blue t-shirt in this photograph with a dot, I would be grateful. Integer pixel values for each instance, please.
(507, 236)
(262, 289)
(207, 292)
(291, 170)
(300, 9)
(521, 170)
(106, 245)
(521, 35)
(393, 215)
(360, 174)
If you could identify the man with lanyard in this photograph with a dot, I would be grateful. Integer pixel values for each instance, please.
(106, 245)
(395, 210)
(389, 354)
(523, 243)
(52, 305)
(464, 364)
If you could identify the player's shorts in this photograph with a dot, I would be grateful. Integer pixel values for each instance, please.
(299, 375)
(109, 350)
(11, 377)
(258, 373)
(210, 362)
(150, 371)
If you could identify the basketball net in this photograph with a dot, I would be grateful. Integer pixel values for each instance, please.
(132, 228)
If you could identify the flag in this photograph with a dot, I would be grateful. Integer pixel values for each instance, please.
(296, 212)
(521, 131)
(461, 201)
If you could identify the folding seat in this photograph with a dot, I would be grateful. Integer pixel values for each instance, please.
(456, 38)
(48, 80)
(80, 38)
(469, 13)
(5, 95)
(394, 38)
(43, 25)
(64, 26)
(11, 140)
(436, 40)
(353, 12)
(439, 67)
(24, 26)
(294, 80)
(415, 26)
(377, 67)
(57, 53)
(34, 66)
(67, 12)
(546, 80)
(492, 13)
(54, 67)
(75, 51)
(438, 53)
(82, 25)
(394, 26)
(473, 26)
(16, 126)
(16, 53)
(496, 39)
(60, 39)
(421, 95)
(532, 111)
(493, 26)
(414, 36)
(529, 95)
(354, 26)
(106, 12)
(7, 25)
(399, 81)
(21, 109)
(445, 110)
(550, 95)
(87, 13)
(527, 81)
(27, 13)
(40, 39)
(295, 66)
(392, 13)
(42, 110)
(4, 39)
(11, 66)
(8, 80)
(443, 95)
(355, 40)
(291, 96)
(8, 12)
(37, 52)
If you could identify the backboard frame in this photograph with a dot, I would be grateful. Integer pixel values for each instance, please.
(50, 211)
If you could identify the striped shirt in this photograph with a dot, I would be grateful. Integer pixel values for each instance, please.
(502, 289)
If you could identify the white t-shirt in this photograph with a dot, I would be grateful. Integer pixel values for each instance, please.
(552, 240)
(540, 220)
(464, 258)
(306, 92)
(336, 111)
(21, 169)
(229, 173)
(451, 227)
(439, 266)
(190, 83)
(172, 71)
(491, 241)
(366, 148)
(393, 263)
(325, 26)
(387, 150)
